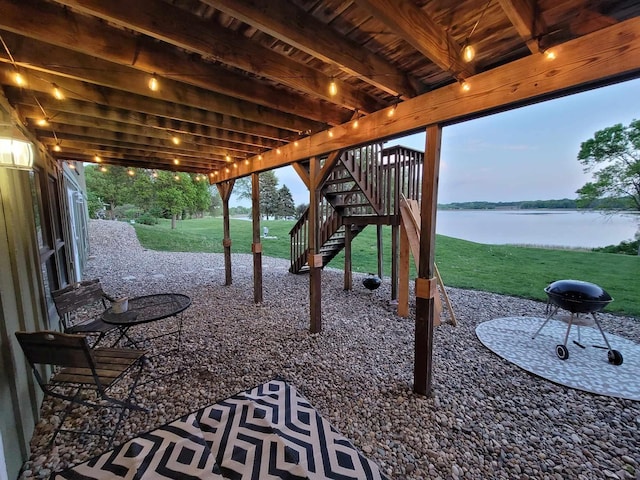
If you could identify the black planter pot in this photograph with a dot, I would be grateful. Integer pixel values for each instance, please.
(372, 282)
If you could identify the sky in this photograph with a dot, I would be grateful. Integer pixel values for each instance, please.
(529, 153)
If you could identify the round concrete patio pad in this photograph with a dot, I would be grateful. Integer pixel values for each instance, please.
(586, 368)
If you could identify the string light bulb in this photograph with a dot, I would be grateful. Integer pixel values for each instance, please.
(57, 93)
(97, 159)
(130, 172)
(333, 88)
(176, 178)
(465, 86)
(176, 161)
(43, 122)
(227, 170)
(260, 157)
(154, 174)
(468, 52)
(103, 169)
(72, 166)
(549, 54)
(19, 79)
(330, 133)
(153, 83)
(278, 151)
(227, 158)
(57, 147)
(175, 140)
(246, 162)
(392, 111)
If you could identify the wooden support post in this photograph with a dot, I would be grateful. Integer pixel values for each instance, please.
(394, 261)
(426, 283)
(380, 251)
(225, 189)
(256, 247)
(348, 275)
(315, 261)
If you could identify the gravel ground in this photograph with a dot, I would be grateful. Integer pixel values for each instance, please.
(486, 419)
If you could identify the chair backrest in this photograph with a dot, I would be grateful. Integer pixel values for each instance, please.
(78, 295)
(55, 348)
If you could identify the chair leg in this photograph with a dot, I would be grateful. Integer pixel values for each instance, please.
(67, 410)
(122, 405)
(126, 404)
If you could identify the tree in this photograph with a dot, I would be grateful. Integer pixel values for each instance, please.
(216, 202)
(300, 209)
(171, 197)
(203, 198)
(613, 157)
(113, 185)
(242, 187)
(269, 198)
(286, 205)
(143, 189)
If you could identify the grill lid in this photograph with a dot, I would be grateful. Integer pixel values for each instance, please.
(578, 296)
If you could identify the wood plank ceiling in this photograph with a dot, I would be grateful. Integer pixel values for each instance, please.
(237, 78)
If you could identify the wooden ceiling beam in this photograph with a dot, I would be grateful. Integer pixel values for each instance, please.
(117, 160)
(44, 57)
(595, 59)
(285, 21)
(132, 154)
(135, 151)
(178, 27)
(418, 29)
(101, 137)
(203, 135)
(58, 26)
(103, 99)
(522, 14)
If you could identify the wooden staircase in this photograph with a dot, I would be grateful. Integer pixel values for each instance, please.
(363, 184)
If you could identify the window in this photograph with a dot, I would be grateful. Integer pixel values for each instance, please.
(48, 218)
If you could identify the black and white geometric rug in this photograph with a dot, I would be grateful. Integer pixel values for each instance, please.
(586, 368)
(268, 432)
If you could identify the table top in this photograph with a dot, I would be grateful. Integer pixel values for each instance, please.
(148, 308)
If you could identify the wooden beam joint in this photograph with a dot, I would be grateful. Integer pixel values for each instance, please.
(426, 287)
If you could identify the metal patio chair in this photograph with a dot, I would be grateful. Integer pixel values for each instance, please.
(79, 307)
(79, 369)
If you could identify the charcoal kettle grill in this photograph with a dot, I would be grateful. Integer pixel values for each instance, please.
(578, 297)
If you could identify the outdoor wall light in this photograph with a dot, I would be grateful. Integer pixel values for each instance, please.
(15, 150)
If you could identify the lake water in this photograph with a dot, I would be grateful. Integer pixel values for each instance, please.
(538, 227)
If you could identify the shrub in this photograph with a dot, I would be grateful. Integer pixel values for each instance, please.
(147, 219)
(127, 212)
(629, 247)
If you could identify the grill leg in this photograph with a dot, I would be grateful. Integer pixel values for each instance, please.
(601, 331)
(549, 315)
(566, 336)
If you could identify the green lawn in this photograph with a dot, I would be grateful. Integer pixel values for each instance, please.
(518, 271)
